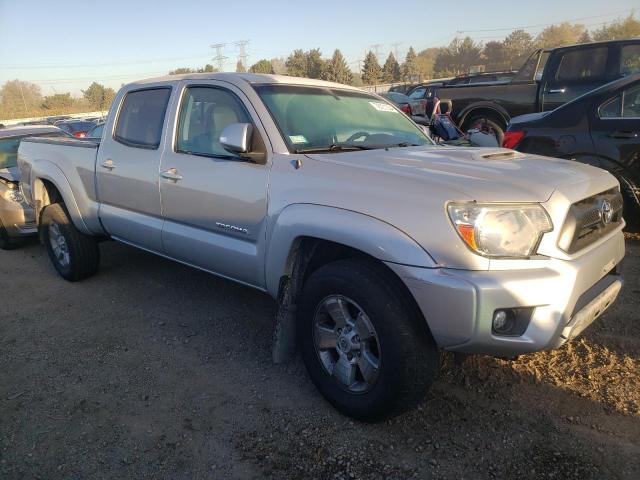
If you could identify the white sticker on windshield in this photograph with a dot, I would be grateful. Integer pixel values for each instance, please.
(297, 139)
(382, 107)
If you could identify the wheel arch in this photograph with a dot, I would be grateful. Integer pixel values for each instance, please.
(52, 187)
(488, 109)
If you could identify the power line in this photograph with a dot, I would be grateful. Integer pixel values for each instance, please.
(546, 24)
(95, 65)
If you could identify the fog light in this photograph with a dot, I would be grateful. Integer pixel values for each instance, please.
(502, 321)
(511, 322)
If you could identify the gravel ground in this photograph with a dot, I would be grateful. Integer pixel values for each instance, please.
(153, 369)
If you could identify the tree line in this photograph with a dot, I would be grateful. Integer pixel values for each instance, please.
(456, 58)
(24, 99)
(20, 99)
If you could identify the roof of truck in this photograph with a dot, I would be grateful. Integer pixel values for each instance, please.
(251, 78)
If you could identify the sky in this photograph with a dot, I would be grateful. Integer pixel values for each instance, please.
(64, 46)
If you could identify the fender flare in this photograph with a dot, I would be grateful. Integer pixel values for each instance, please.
(45, 170)
(468, 110)
(368, 234)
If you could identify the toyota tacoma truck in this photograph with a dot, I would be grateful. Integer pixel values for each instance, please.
(549, 78)
(379, 247)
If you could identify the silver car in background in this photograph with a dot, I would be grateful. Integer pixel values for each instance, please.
(16, 216)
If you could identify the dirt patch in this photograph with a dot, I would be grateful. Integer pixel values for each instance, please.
(152, 369)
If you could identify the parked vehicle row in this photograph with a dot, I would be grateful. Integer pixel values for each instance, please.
(600, 128)
(17, 219)
(548, 79)
(379, 246)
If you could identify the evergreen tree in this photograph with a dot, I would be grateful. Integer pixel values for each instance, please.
(262, 66)
(410, 67)
(337, 70)
(315, 64)
(297, 64)
(371, 71)
(391, 70)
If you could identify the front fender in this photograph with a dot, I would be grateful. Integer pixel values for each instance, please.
(362, 232)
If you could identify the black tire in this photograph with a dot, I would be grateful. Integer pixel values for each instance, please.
(631, 197)
(486, 125)
(6, 242)
(408, 355)
(83, 251)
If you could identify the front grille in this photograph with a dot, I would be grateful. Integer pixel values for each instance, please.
(591, 219)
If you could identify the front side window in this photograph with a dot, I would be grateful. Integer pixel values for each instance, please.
(204, 113)
(417, 93)
(141, 117)
(623, 105)
(582, 65)
(330, 119)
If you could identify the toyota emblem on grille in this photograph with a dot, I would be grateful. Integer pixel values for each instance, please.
(606, 212)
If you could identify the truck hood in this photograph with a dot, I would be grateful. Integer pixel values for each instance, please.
(481, 174)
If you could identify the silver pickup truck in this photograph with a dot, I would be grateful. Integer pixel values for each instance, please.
(379, 246)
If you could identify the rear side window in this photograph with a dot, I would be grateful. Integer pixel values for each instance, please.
(630, 60)
(582, 65)
(417, 93)
(141, 118)
(624, 105)
(204, 113)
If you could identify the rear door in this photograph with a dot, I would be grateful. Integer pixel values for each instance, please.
(127, 168)
(214, 203)
(576, 71)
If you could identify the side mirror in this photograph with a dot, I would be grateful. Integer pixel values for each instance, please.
(236, 138)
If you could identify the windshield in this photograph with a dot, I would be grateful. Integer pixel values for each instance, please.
(317, 119)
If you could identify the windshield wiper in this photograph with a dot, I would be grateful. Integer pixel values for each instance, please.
(335, 147)
(402, 144)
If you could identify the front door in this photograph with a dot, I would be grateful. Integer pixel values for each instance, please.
(127, 169)
(214, 203)
(573, 73)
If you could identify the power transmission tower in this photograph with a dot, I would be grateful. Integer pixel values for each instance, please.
(396, 50)
(220, 58)
(242, 55)
(376, 49)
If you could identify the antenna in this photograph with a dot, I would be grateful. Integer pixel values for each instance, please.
(242, 55)
(220, 58)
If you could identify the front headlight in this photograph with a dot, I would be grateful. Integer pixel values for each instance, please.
(500, 230)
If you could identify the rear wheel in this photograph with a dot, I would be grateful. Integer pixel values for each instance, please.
(74, 255)
(364, 348)
(486, 125)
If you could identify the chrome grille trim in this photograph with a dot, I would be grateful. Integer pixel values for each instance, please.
(586, 222)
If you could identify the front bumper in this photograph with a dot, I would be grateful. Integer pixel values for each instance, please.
(18, 219)
(567, 295)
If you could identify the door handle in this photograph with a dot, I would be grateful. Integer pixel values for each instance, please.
(171, 174)
(623, 135)
(108, 164)
(557, 90)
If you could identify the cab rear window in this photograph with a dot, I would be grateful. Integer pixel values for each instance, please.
(141, 117)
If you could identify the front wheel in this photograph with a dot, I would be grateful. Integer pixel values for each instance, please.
(364, 348)
(74, 255)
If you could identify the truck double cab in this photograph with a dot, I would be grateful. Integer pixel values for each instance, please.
(379, 246)
(549, 78)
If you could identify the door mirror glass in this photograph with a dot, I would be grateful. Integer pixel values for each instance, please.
(236, 137)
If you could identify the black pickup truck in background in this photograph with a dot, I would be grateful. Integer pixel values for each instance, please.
(548, 79)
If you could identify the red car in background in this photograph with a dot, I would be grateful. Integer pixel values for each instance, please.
(77, 128)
